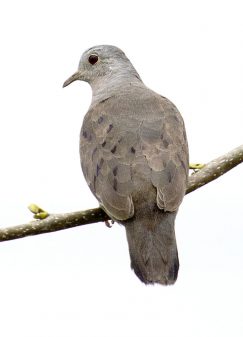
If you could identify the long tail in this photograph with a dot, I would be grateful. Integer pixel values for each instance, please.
(152, 248)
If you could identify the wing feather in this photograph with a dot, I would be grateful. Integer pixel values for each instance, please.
(128, 140)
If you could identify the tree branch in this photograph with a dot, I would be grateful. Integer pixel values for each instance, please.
(215, 169)
(56, 222)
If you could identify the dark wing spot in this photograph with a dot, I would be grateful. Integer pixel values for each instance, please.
(97, 170)
(103, 144)
(100, 120)
(110, 128)
(115, 169)
(113, 150)
(133, 149)
(95, 182)
(115, 184)
(104, 100)
(85, 135)
(169, 176)
(98, 166)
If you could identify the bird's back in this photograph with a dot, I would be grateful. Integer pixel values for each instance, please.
(134, 144)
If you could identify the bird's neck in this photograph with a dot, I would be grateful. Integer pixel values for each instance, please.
(114, 85)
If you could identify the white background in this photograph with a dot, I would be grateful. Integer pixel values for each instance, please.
(78, 282)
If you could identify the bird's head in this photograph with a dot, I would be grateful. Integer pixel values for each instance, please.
(103, 61)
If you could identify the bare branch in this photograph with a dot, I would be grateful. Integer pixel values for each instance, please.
(56, 222)
(53, 223)
(215, 169)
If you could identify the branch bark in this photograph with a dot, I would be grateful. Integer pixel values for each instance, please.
(56, 222)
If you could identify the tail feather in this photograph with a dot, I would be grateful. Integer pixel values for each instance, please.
(152, 248)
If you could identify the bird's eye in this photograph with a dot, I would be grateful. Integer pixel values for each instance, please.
(93, 58)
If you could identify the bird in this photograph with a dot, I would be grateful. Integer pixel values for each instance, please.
(134, 157)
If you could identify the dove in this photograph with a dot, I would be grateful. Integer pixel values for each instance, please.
(134, 157)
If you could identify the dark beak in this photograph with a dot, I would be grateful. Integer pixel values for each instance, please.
(74, 77)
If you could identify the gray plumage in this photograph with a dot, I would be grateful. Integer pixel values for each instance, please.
(134, 157)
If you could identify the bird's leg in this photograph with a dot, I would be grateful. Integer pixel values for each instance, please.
(39, 213)
(108, 224)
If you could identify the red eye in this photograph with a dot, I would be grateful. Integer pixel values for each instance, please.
(93, 59)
